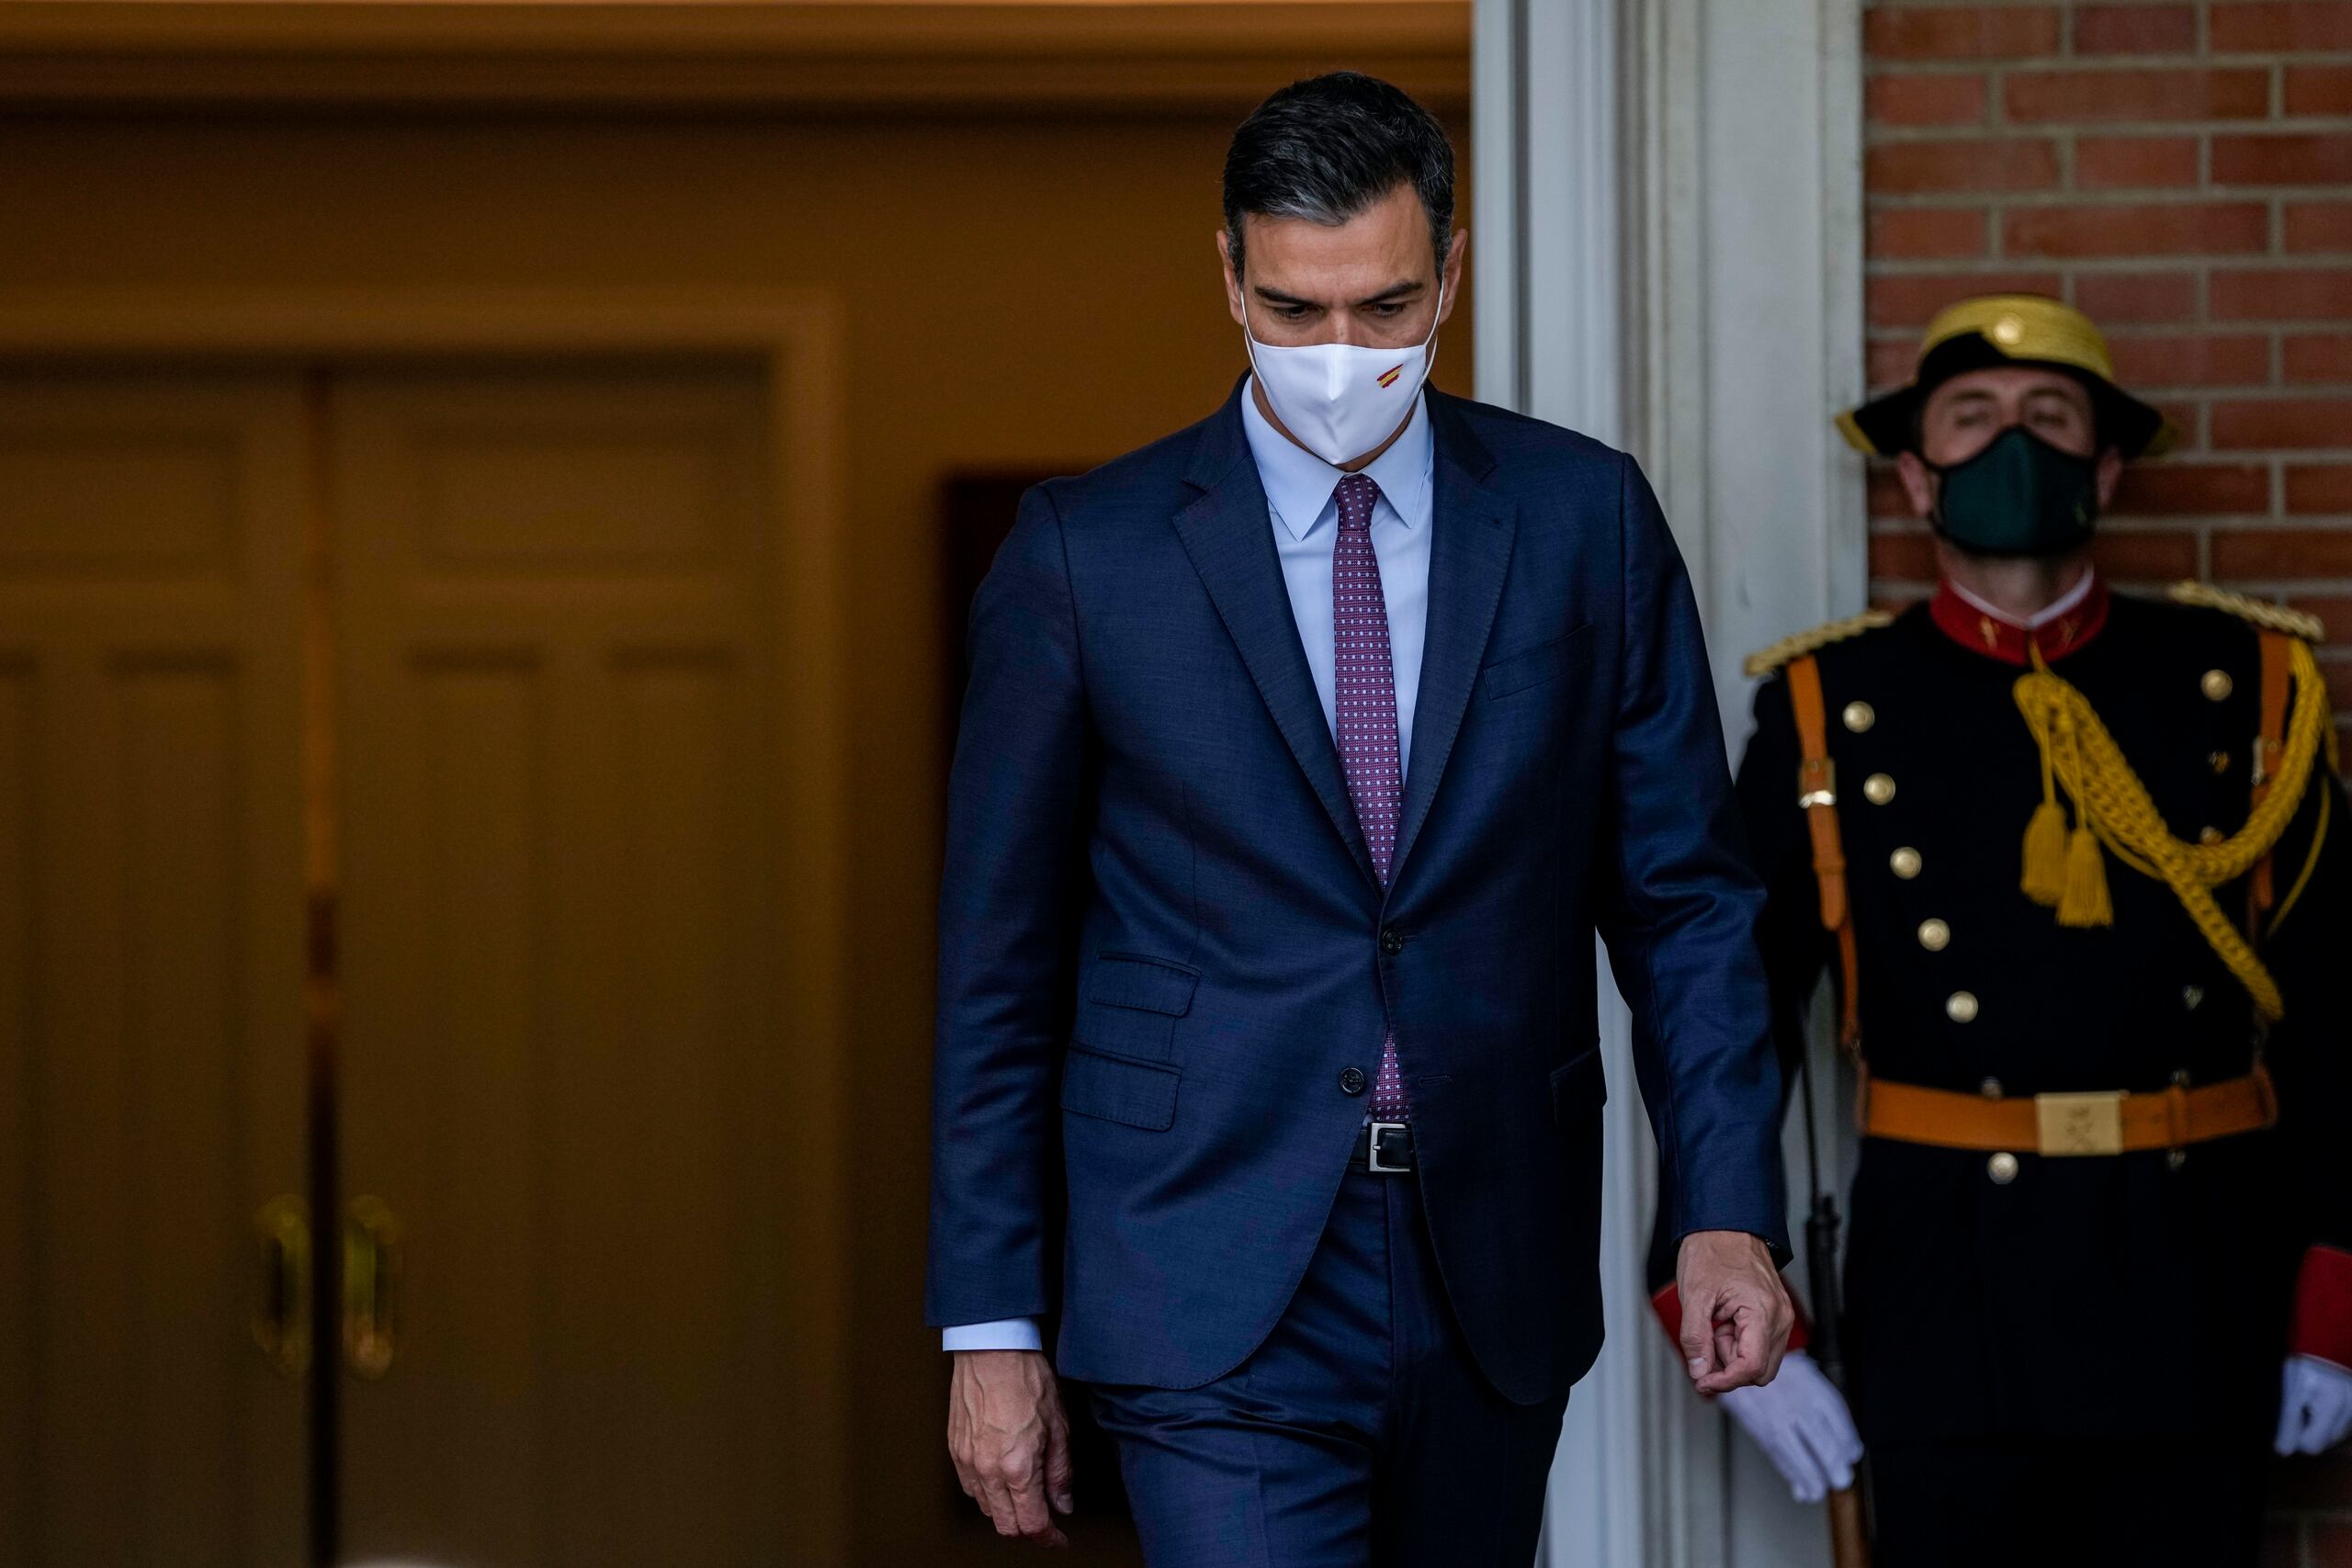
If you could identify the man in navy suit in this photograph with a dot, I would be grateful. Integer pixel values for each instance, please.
(1304, 752)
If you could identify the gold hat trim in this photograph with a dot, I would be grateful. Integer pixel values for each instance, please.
(2025, 326)
(2029, 327)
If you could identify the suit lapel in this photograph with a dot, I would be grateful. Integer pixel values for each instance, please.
(1469, 557)
(1228, 534)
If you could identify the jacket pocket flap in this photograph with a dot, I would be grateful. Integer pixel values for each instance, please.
(1130, 980)
(1523, 668)
(1116, 1088)
(1577, 1084)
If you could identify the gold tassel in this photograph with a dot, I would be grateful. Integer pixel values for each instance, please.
(2085, 901)
(2044, 876)
(2046, 854)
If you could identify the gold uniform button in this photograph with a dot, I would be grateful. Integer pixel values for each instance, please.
(1860, 717)
(1934, 935)
(2216, 684)
(2219, 761)
(1904, 862)
(1961, 1007)
(1878, 789)
(2002, 1167)
(2208, 835)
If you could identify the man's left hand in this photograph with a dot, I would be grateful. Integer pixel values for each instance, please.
(1735, 1312)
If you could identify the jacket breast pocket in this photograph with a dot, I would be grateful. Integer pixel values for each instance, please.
(1130, 1002)
(1116, 1089)
(1528, 667)
(1578, 1091)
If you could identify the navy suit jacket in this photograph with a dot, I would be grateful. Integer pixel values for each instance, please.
(1162, 941)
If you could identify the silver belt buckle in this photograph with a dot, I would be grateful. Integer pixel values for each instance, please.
(1372, 1150)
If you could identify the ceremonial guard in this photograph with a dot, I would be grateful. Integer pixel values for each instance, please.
(2077, 866)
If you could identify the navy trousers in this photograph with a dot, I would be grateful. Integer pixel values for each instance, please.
(1360, 1433)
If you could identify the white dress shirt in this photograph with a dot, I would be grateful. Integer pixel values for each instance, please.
(2064, 605)
(1300, 489)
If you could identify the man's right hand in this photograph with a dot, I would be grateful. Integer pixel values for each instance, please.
(1010, 1441)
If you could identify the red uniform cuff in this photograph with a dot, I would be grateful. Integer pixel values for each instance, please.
(1668, 1304)
(2323, 1307)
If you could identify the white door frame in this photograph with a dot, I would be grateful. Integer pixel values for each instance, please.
(1669, 257)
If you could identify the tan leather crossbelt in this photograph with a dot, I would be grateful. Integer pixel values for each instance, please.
(1817, 793)
(2060, 1124)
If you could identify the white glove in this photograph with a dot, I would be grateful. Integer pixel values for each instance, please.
(1801, 1422)
(2317, 1408)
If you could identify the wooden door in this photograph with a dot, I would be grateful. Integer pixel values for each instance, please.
(560, 1076)
(150, 962)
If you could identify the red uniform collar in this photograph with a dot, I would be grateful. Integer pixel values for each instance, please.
(2006, 640)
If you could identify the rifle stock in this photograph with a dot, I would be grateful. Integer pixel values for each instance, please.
(1850, 1544)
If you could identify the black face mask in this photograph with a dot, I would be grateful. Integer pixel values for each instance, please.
(2020, 496)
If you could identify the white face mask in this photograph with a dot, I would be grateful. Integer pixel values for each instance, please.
(1340, 401)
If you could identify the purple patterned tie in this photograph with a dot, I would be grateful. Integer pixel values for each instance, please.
(1365, 686)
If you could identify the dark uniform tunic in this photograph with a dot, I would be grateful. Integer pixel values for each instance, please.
(2141, 1296)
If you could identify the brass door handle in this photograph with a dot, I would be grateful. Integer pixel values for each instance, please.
(371, 1278)
(281, 1314)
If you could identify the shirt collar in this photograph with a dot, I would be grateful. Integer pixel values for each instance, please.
(1298, 484)
(2044, 616)
(2057, 630)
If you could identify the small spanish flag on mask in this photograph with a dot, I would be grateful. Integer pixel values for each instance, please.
(1388, 376)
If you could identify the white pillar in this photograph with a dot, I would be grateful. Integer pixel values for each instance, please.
(1669, 257)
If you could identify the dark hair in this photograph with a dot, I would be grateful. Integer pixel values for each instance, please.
(1329, 147)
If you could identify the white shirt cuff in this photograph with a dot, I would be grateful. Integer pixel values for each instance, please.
(1005, 1334)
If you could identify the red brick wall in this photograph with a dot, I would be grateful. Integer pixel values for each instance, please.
(2181, 169)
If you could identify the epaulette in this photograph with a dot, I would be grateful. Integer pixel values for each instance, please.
(2260, 611)
(1764, 660)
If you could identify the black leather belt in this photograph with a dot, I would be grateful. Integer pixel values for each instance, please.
(1386, 1149)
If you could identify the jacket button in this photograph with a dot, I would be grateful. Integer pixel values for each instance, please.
(1350, 1080)
(1392, 943)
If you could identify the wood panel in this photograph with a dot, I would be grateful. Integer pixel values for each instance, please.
(1217, 55)
(561, 1062)
(150, 1028)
